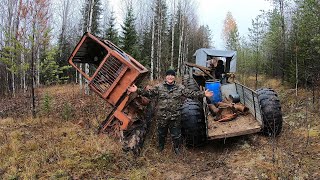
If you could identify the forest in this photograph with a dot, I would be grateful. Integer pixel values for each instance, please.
(48, 116)
(37, 38)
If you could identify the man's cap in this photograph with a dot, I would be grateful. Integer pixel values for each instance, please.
(171, 72)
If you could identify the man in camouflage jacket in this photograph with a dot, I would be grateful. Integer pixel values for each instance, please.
(169, 96)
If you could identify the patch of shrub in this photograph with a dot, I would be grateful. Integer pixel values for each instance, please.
(46, 104)
(67, 112)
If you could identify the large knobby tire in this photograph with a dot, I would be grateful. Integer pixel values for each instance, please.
(190, 83)
(185, 79)
(271, 112)
(193, 123)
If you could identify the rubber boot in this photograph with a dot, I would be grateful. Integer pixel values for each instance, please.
(176, 138)
(162, 133)
(176, 146)
(161, 144)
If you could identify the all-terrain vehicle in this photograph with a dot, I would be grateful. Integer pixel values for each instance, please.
(234, 110)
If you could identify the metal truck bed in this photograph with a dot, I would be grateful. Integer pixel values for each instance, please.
(243, 124)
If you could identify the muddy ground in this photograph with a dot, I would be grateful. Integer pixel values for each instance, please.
(62, 143)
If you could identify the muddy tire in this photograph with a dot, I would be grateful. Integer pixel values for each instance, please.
(193, 123)
(190, 83)
(271, 112)
(185, 79)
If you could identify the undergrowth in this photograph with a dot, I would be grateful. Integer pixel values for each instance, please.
(62, 143)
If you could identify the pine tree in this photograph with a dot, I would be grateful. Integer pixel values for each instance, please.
(308, 41)
(256, 37)
(272, 45)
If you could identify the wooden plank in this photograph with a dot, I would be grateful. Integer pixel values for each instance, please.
(240, 126)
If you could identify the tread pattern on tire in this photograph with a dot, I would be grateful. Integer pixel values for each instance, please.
(193, 123)
(190, 83)
(271, 111)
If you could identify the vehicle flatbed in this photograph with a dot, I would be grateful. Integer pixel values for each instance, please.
(243, 124)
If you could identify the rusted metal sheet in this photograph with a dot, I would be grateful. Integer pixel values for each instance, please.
(112, 71)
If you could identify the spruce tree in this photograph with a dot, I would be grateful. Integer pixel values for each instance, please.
(129, 38)
(111, 33)
(50, 71)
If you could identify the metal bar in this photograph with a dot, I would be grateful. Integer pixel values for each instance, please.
(105, 122)
(254, 106)
(244, 101)
(117, 80)
(106, 70)
(113, 64)
(97, 86)
(107, 78)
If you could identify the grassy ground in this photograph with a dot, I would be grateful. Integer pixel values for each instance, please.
(62, 143)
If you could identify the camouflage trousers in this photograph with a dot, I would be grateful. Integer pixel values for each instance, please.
(173, 124)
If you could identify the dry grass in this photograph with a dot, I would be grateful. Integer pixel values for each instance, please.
(55, 147)
(48, 148)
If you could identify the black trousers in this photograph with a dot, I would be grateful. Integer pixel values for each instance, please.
(174, 126)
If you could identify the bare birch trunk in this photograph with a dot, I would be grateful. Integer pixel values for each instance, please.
(16, 29)
(13, 84)
(159, 54)
(172, 34)
(23, 74)
(180, 43)
(23, 59)
(76, 77)
(10, 30)
(186, 52)
(283, 59)
(152, 52)
(158, 42)
(38, 67)
(80, 77)
(86, 67)
(32, 71)
(7, 79)
(66, 5)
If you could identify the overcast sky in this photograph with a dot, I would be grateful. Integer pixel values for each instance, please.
(213, 13)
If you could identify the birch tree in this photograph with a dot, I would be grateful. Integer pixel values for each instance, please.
(152, 51)
(173, 4)
(90, 23)
(8, 54)
(230, 32)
